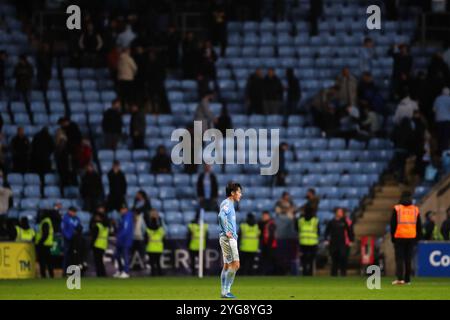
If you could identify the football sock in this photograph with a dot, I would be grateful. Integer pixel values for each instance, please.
(230, 278)
(223, 280)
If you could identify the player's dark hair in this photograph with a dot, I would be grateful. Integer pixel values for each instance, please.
(231, 186)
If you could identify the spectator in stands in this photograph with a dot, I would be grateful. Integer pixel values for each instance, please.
(42, 148)
(90, 43)
(280, 177)
(285, 205)
(23, 72)
(74, 137)
(219, 29)
(23, 231)
(204, 114)
(348, 86)
(272, 93)
(124, 235)
(442, 117)
(83, 153)
(208, 61)
(71, 229)
(117, 187)
(349, 123)
(3, 57)
(207, 189)
(20, 148)
(112, 125)
(248, 236)
(419, 137)
(99, 243)
(126, 71)
(366, 55)
(62, 160)
(254, 92)
(189, 56)
(142, 204)
(312, 203)
(294, 94)
(138, 127)
(401, 70)
(438, 71)
(430, 229)
(402, 138)
(446, 54)
(324, 108)
(202, 85)
(125, 38)
(44, 61)
(315, 11)
(336, 234)
(369, 92)
(155, 76)
(224, 121)
(405, 108)
(161, 162)
(140, 58)
(5, 196)
(445, 227)
(370, 122)
(91, 189)
(268, 244)
(173, 43)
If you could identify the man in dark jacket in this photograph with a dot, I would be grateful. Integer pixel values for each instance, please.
(445, 227)
(20, 147)
(272, 93)
(430, 230)
(336, 232)
(294, 93)
(42, 148)
(117, 187)
(137, 127)
(161, 162)
(268, 244)
(44, 66)
(112, 125)
(207, 189)
(91, 189)
(254, 92)
(406, 229)
(23, 72)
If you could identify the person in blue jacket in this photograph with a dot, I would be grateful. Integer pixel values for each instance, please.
(124, 241)
(71, 229)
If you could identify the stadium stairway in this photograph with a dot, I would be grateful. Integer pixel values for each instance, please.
(376, 213)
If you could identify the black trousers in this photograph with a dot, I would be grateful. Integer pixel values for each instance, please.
(247, 262)
(155, 263)
(268, 261)
(307, 258)
(403, 256)
(98, 260)
(339, 257)
(192, 256)
(45, 261)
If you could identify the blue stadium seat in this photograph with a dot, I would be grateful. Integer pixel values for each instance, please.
(52, 192)
(356, 145)
(171, 205)
(167, 193)
(177, 231)
(31, 179)
(29, 203)
(123, 155)
(51, 179)
(15, 179)
(336, 144)
(173, 217)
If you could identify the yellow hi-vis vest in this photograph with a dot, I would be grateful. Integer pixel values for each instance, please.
(194, 228)
(155, 240)
(437, 233)
(24, 235)
(249, 238)
(308, 231)
(101, 242)
(49, 241)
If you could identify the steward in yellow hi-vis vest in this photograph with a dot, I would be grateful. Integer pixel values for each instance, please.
(308, 236)
(154, 237)
(194, 240)
(44, 242)
(23, 231)
(249, 237)
(99, 236)
(406, 229)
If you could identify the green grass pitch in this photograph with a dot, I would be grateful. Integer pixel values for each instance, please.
(185, 288)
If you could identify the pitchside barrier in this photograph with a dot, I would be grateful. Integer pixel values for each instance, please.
(433, 259)
(17, 260)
